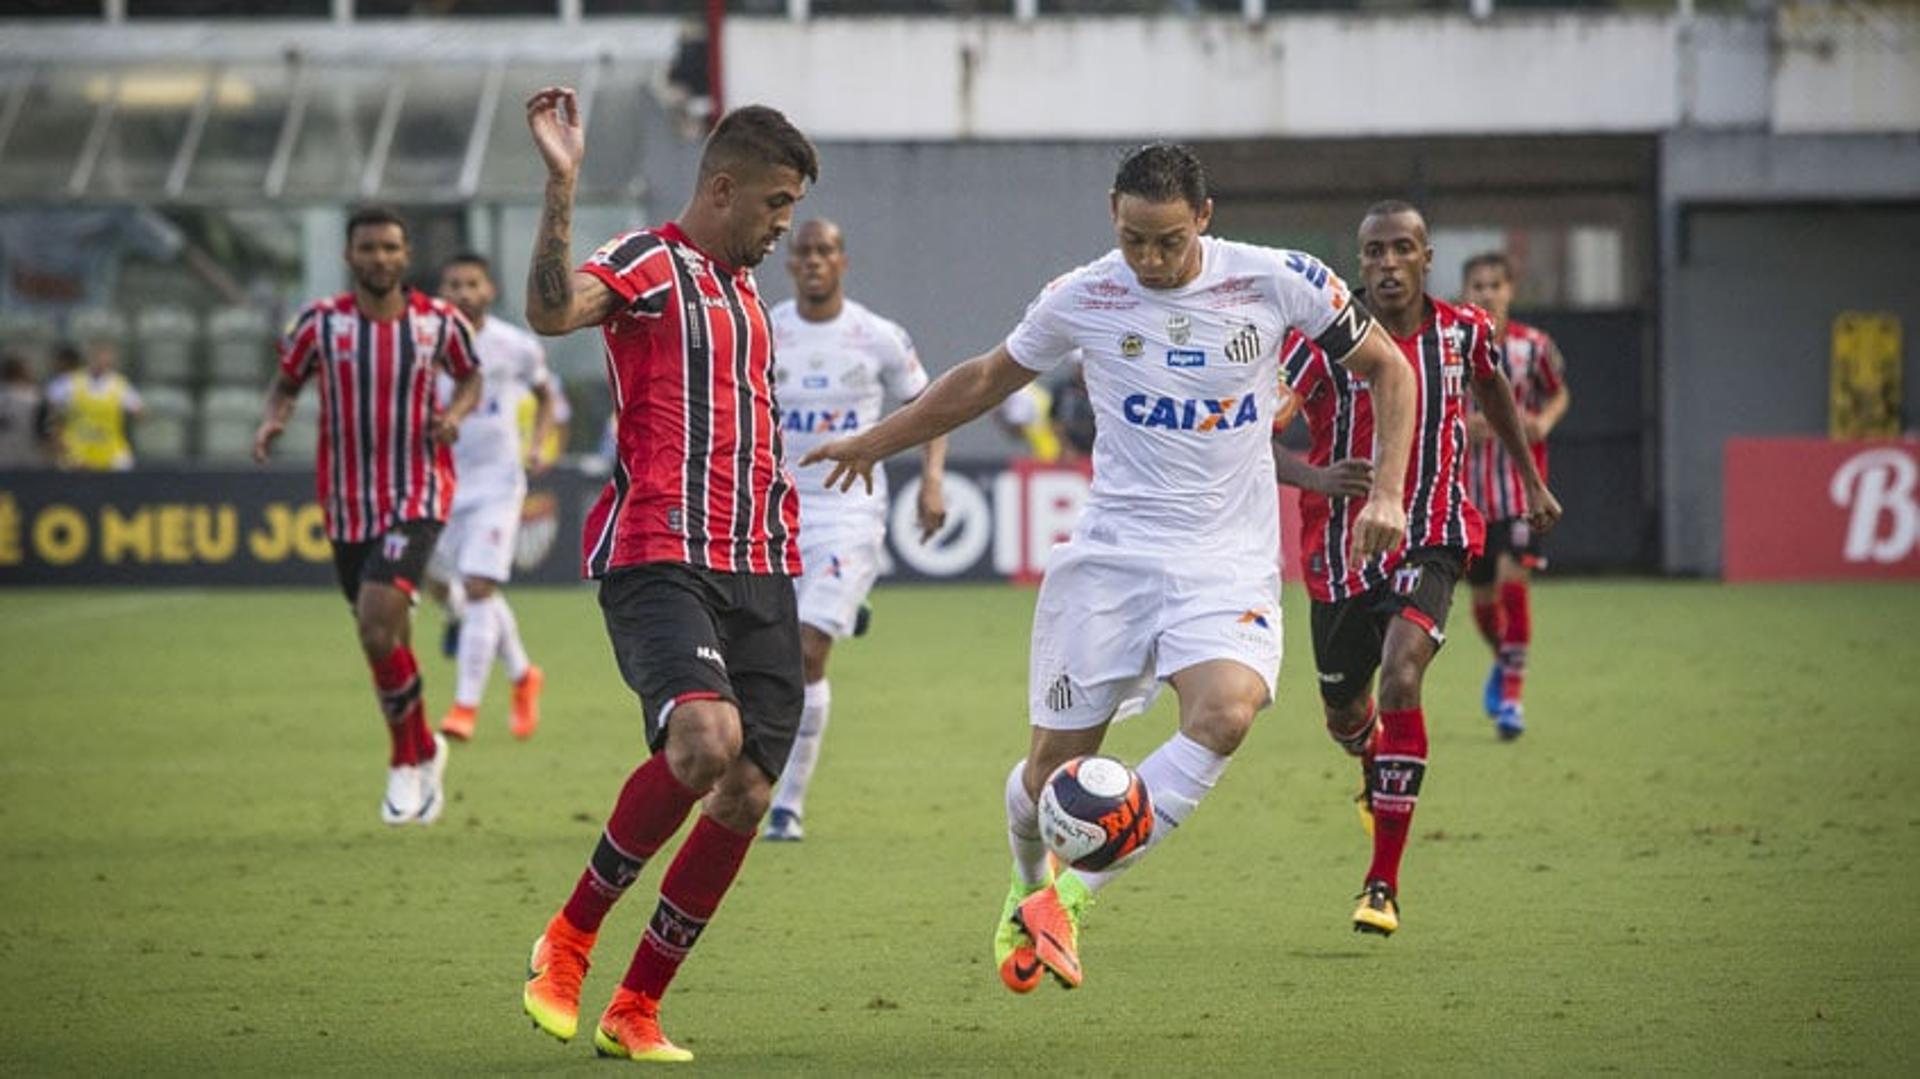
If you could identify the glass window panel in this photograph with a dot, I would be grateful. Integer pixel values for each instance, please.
(250, 105)
(39, 156)
(343, 109)
(512, 167)
(57, 9)
(153, 107)
(430, 142)
(665, 7)
(253, 9)
(379, 9)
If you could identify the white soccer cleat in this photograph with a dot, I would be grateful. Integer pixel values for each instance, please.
(783, 826)
(433, 783)
(402, 804)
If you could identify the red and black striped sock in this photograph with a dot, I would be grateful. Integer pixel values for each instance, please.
(1515, 638)
(1398, 766)
(690, 892)
(396, 679)
(651, 807)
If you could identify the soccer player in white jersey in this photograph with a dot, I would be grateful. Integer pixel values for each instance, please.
(1172, 573)
(834, 363)
(475, 554)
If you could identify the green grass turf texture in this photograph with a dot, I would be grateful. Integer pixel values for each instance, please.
(1700, 859)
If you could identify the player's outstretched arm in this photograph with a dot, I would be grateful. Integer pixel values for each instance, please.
(961, 394)
(273, 416)
(1494, 395)
(559, 298)
(1382, 524)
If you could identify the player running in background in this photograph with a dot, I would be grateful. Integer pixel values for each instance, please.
(474, 557)
(694, 542)
(1389, 612)
(835, 357)
(1501, 606)
(385, 474)
(1171, 574)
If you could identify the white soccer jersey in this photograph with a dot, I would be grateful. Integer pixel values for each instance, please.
(830, 378)
(1184, 384)
(488, 460)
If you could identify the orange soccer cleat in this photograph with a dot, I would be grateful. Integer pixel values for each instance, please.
(1051, 917)
(630, 1029)
(554, 974)
(526, 702)
(457, 724)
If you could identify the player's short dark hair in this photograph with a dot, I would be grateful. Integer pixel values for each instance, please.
(1389, 207)
(1162, 172)
(375, 215)
(757, 135)
(470, 258)
(1495, 259)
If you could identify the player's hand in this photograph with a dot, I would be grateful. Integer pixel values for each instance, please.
(850, 460)
(933, 510)
(1543, 510)
(553, 114)
(1478, 429)
(538, 463)
(1348, 478)
(445, 430)
(263, 439)
(1381, 527)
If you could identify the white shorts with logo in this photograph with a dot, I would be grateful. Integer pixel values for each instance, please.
(1112, 623)
(840, 571)
(478, 540)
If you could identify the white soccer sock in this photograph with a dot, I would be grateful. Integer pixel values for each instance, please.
(792, 793)
(512, 652)
(479, 639)
(1023, 830)
(1177, 775)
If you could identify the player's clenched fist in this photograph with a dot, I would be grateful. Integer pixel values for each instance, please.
(1543, 510)
(553, 115)
(850, 459)
(1381, 527)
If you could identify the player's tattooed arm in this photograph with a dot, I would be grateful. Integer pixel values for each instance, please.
(559, 298)
(273, 415)
(1494, 395)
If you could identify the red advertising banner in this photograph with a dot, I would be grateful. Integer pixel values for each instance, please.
(1813, 509)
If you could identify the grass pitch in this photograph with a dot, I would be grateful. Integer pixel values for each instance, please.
(1701, 858)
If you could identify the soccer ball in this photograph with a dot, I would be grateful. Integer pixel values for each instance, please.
(1095, 813)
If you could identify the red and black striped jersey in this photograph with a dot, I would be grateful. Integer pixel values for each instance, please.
(1533, 365)
(699, 476)
(1452, 344)
(377, 466)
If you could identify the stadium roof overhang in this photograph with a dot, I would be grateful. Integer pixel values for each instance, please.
(405, 112)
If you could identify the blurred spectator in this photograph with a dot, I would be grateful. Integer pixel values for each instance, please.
(20, 445)
(66, 364)
(1072, 417)
(92, 411)
(1023, 417)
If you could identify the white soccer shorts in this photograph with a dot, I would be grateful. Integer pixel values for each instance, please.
(1112, 624)
(839, 574)
(478, 541)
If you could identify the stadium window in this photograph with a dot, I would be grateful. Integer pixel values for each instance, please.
(388, 9)
(218, 9)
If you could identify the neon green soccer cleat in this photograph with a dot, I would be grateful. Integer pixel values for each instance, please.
(1012, 949)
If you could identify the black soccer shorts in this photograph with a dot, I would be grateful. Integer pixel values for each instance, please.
(681, 633)
(1349, 634)
(397, 557)
(1511, 536)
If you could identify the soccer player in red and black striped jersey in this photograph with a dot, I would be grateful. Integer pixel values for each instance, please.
(694, 542)
(1501, 604)
(385, 473)
(1389, 612)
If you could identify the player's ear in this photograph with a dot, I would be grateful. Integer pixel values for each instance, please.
(721, 188)
(1205, 216)
(1113, 205)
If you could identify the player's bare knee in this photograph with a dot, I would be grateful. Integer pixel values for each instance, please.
(479, 588)
(815, 647)
(1220, 723)
(1347, 722)
(1400, 685)
(378, 637)
(703, 741)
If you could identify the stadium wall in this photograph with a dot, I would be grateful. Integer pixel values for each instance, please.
(1765, 239)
